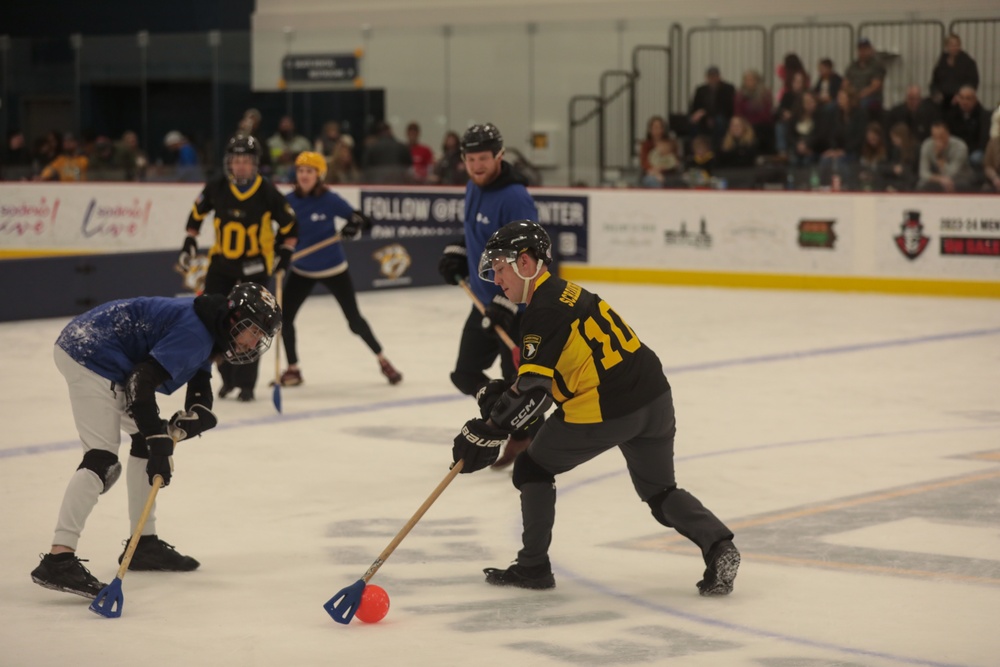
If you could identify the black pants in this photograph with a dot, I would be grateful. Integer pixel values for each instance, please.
(477, 352)
(298, 287)
(242, 376)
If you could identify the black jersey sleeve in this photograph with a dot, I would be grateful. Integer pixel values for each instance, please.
(202, 206)
(282, 213)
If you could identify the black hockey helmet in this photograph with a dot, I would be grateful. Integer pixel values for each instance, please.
(242, 144)
(250, 308)
(480, 138)
(510, 241)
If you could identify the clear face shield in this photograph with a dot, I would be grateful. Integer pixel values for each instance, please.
(491, 255)
(247, 342)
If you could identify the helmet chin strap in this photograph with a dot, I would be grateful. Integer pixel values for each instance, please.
(539, 267)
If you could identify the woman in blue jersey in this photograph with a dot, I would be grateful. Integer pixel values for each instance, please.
(316, 207)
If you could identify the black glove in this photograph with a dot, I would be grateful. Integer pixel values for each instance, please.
(284, 261)
(454, 265)
(478, 445)
(358, 223)
(500, 312)
(161, 448)
(489, 394)
(188, 252)
(197, 420)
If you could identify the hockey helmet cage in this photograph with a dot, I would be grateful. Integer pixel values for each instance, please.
(250, 308)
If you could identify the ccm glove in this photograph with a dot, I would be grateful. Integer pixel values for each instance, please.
(284, 261)
(489, 394)
(358, 223)
(161, 449)
(197, 420)
(188, 252)
(454, 264)
(501, 312)
(478, 445)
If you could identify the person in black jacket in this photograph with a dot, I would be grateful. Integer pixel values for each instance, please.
(955, 68)
(712, 106)
(969, 121)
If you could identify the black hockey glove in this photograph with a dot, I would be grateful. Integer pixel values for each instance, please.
(188, 252)
(197, 420)
(501, 312)
(284, 259)
(478, 445)
(454, 264)
(161, 449)
(489, 394)
(358, 223)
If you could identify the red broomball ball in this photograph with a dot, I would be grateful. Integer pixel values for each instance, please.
(374, 604)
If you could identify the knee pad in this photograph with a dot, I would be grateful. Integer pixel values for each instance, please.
(656, 506)
(526, 470)
(467, 383)
(139, 448)
(104, 464)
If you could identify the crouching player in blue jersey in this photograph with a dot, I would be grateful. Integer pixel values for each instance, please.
(611, 391)
(316, 208)
(115, 358)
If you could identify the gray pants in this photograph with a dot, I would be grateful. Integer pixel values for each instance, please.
(646, 439)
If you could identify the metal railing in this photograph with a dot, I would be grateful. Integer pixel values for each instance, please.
(908, 50)
(811, 42)
(981, 40)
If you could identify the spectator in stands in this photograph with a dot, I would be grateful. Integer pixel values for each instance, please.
(187, 167)
(866, 76)
(754, 104)
(873, 159)
(69, 165)
(899, 173)
(285, 145)
(840, 136)
(250, 124)
(101, 162)
(790, 66)
(701, 163)
(991, 160)
(17, 162)
(658, 155)
(47, 147)
(828, 84)
(327, 140)
(803, 129)
(955, 68)
(712, 106)
(738, 154)
(342, 168)
(386, 160)
(916, 111)
(130, 158)
(450, 169)
(944, 162)
(969, 121)
(789, 103)
(421, 155)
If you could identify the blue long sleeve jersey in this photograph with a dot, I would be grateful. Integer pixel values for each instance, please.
(111, 339)
(316, 223)
(487, 209)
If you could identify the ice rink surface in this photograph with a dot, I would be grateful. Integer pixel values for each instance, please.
(852, 442)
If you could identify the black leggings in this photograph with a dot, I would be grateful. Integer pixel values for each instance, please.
(242, 376)
(298, 287)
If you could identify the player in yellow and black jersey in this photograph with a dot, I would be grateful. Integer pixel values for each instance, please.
(255, 234)
(611, 392)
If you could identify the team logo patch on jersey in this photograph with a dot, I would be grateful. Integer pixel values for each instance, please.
(529, 346)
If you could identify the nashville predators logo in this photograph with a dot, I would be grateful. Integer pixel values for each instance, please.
(529, 346)
(393, 260)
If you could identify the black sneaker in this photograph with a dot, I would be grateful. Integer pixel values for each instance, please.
(246, 395)
(226, 390)
(723, 562)
(536, 577)
(65, 572)
(152, 553)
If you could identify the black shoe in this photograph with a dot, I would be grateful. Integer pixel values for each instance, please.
(65, 572)
(246, 395)
(536, 577)
(723, 562)
(152, 553)
(226, 390)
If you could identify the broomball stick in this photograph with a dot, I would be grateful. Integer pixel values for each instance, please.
(515, 352)
(344, 604)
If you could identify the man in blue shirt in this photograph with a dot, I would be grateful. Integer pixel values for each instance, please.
(115, 358)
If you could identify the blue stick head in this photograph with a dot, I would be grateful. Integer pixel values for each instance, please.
(110, 600)
(344, 604)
